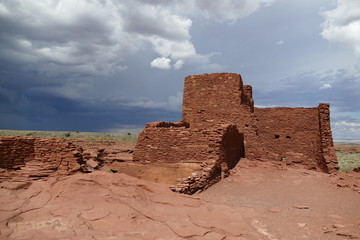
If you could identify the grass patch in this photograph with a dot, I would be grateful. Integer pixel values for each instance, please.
(348, 161)
(348, 157)
(129, 137)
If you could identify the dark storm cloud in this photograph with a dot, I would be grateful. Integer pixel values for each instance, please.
(63, 37)
(34, 110)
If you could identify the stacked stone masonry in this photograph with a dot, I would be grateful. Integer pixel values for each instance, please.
(217, 150)
(327, 144)
(293, 133)
(221, 98)
(299, 136)
(31, 158)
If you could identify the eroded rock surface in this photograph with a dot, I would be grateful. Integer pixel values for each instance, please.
(260, 200)
(102, 205)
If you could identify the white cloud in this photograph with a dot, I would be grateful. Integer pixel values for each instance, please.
(325, 86)
(346, 130)
(342, 24)
(348, 124)
(229, 9)
(150, 20)
(280, 42)
(173, 49)
(178, 64)
(179, 51)
(162, 63)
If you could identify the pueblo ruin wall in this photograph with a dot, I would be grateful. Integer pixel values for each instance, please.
(30, 158)
(299, 136)
(213, 99)
(295, 133)
(215, 150)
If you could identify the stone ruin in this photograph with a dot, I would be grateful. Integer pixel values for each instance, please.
(33, 158)
(220, 125)
(215, 150)
(24, 159)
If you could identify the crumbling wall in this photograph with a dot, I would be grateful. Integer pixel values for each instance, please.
(216, 150)
(24, 158)
(15, 151)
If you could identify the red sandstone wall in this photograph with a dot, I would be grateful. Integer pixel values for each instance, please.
(163, 142)
(247, 97)
(213, 98)
(215, 149)
(327, 144)
(292, 133)
(14, 152)
(221, 98)
(304, 133)
(37, 158)
(301, 135)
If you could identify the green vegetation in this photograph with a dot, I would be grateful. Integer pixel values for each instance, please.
(348, 157)
(72, 135)
(348, 161)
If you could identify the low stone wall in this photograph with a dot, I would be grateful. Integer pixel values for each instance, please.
(24, 158)
(216, 150)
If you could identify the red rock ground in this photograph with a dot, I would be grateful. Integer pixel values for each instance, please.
(258, 201)
(102, 205)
